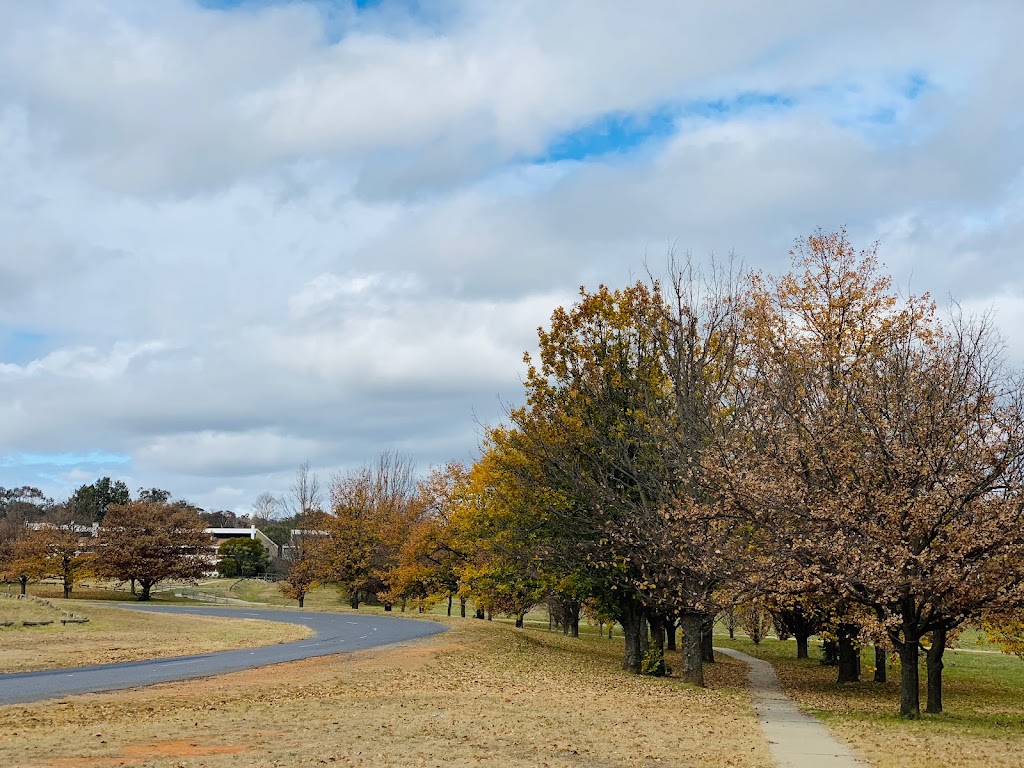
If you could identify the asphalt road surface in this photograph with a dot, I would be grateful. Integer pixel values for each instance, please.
(335, 633)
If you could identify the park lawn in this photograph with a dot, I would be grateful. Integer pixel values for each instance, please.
(328, 598)
(115, 635)
(983, 695)
(481, 694)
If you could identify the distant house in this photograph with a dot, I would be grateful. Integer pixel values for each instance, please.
(220, 535)
(81, 530)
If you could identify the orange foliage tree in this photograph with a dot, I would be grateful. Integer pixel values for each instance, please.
(54, 551)
(152, 541)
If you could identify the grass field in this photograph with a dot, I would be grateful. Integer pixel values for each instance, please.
(482, 694)
(114, 635)
(486, 694)
(983, 725)
(329, 599)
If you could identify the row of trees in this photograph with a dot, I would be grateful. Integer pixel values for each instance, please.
(812, 443)
(90, 502)
(143, 542)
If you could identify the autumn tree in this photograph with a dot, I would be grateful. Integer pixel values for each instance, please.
(755, 620)
(150, 542)
(14, 565)
(882, 461)
(372, 512)
(430, 556)
(510, 559)
(54, 551)
(303, 557)
(629, 389)
(302, 550)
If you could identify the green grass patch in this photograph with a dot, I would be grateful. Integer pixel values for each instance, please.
(983, 692)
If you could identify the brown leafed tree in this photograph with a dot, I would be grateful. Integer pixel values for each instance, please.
(882, 463)
(150, 542)
(11, 531)
(54, 551)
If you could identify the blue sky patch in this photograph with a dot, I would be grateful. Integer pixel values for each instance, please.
(915, 84)
(20, 346)
(93, 458)
(620, 132)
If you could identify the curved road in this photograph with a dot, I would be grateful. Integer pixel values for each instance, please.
(335, 633)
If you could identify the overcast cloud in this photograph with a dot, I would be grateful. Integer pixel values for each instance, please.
(236, 236)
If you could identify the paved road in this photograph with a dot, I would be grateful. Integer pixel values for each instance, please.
(335, 633)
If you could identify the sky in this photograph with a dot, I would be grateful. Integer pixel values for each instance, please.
(237, 236)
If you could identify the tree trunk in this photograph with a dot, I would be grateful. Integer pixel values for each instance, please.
(146, 586)
(387, 607)
(849, 654)
(133, 586)
(489, 616)
(479, 613)
(656, 664)
(302, 599)
(707, 642)
(910, 695)
(570, 617)
(67, 589)
(693, 659)
(934, 661)
(830, 653)
(462, 607)
(881, 662)
(802, 645)
(450, 598)
(353, 600)
(632, 627)
(24, 584)
(670, 636)
(519, 620)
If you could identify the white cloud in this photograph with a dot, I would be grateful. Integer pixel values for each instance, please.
(225, 453)
(86, 363)
(240, 239)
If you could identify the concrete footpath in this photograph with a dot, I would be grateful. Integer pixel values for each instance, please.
(796, 740)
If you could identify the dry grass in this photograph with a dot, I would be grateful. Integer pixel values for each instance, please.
(983, 695)
(482, 694)
(114, 635)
